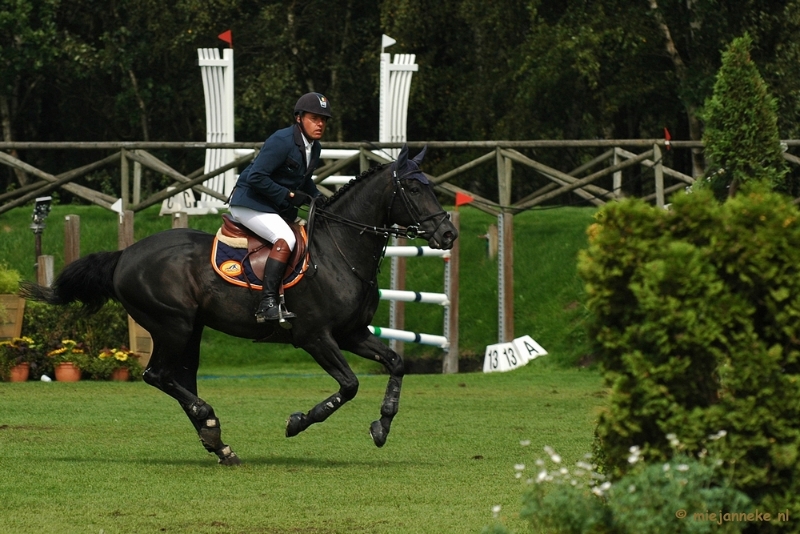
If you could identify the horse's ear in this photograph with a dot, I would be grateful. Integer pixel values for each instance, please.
(402, 158)
(418, 158)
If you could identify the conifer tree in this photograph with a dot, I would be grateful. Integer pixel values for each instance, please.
(741, 136)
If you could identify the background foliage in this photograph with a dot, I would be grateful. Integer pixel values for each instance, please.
(88, 70)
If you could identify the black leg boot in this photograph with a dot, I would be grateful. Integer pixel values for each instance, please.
(268, 309)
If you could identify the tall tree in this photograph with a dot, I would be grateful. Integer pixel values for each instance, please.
(741, 137)
(28, 46)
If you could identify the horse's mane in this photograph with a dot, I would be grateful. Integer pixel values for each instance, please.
(361, 177)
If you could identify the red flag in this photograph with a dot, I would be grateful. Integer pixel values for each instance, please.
(462, 199)
(667, 138)
(227, 37)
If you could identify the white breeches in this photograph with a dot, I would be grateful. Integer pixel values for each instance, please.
(270, 226)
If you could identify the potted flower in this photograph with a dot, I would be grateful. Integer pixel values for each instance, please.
(115, 364)
(15, 358)
(69, 359)
(12, 306)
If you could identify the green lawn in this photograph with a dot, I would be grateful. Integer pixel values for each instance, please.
(122, 457)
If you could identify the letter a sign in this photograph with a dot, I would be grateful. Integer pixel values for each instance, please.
(528, 348)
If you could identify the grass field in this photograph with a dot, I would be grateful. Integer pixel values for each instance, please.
(122, 457)
(110, 457)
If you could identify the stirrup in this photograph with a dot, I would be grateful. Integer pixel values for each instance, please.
(284, 314)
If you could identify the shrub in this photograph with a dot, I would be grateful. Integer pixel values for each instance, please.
(9, 280)
(696, 318)
(651, 498)
(741, 135)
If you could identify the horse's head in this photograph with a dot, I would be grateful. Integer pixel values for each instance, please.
(415, 205)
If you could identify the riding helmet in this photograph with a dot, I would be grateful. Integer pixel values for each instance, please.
(313, 103)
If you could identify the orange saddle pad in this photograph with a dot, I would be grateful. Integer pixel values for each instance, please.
(239, 256)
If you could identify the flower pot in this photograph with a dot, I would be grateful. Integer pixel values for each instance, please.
(121, 374)
(67, 372)
(20, 372)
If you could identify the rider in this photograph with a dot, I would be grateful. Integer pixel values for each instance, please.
(278, 181)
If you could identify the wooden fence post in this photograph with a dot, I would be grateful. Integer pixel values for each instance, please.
(659, 171)
(72, 238)
(124, 179)
(504, 169)
(450, 362)
(180, 219)
(44, 271)
(139, 339)
(137, 182)
(125, 230)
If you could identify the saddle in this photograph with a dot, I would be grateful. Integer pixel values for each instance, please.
(239, 255)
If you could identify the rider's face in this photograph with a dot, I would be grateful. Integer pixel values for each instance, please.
(313, 125)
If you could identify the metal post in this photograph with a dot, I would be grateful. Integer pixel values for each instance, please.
(41, 209)
(397, 309)
(505, 278)
(451, 274)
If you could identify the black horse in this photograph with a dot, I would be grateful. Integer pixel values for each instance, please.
(166, 283)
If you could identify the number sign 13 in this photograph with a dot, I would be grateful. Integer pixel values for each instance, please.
(508, 356)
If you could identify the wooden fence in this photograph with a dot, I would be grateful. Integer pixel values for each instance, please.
(583, 181)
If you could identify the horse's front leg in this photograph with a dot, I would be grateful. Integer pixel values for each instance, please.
(372, 348)
(326, 353)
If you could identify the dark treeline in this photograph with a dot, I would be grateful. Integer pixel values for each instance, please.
(111, 70)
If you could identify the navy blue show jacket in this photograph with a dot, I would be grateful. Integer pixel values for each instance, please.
(279, 167)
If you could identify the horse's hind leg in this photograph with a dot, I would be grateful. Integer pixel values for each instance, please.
(372, 348)
(177, 377)
(327, 354)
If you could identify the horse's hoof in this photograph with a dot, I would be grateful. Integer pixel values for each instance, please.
(228, 457)
(378, 433)
(294, 425)
(230, 460)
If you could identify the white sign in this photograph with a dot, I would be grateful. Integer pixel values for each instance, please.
(502, 357)
(528, 348)
(182, 202)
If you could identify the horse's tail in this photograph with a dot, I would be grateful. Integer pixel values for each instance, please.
(89, 280)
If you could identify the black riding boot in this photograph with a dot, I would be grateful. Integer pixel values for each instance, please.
(270, 300)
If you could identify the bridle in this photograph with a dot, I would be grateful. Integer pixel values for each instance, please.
(410, 232)
(414, 230)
